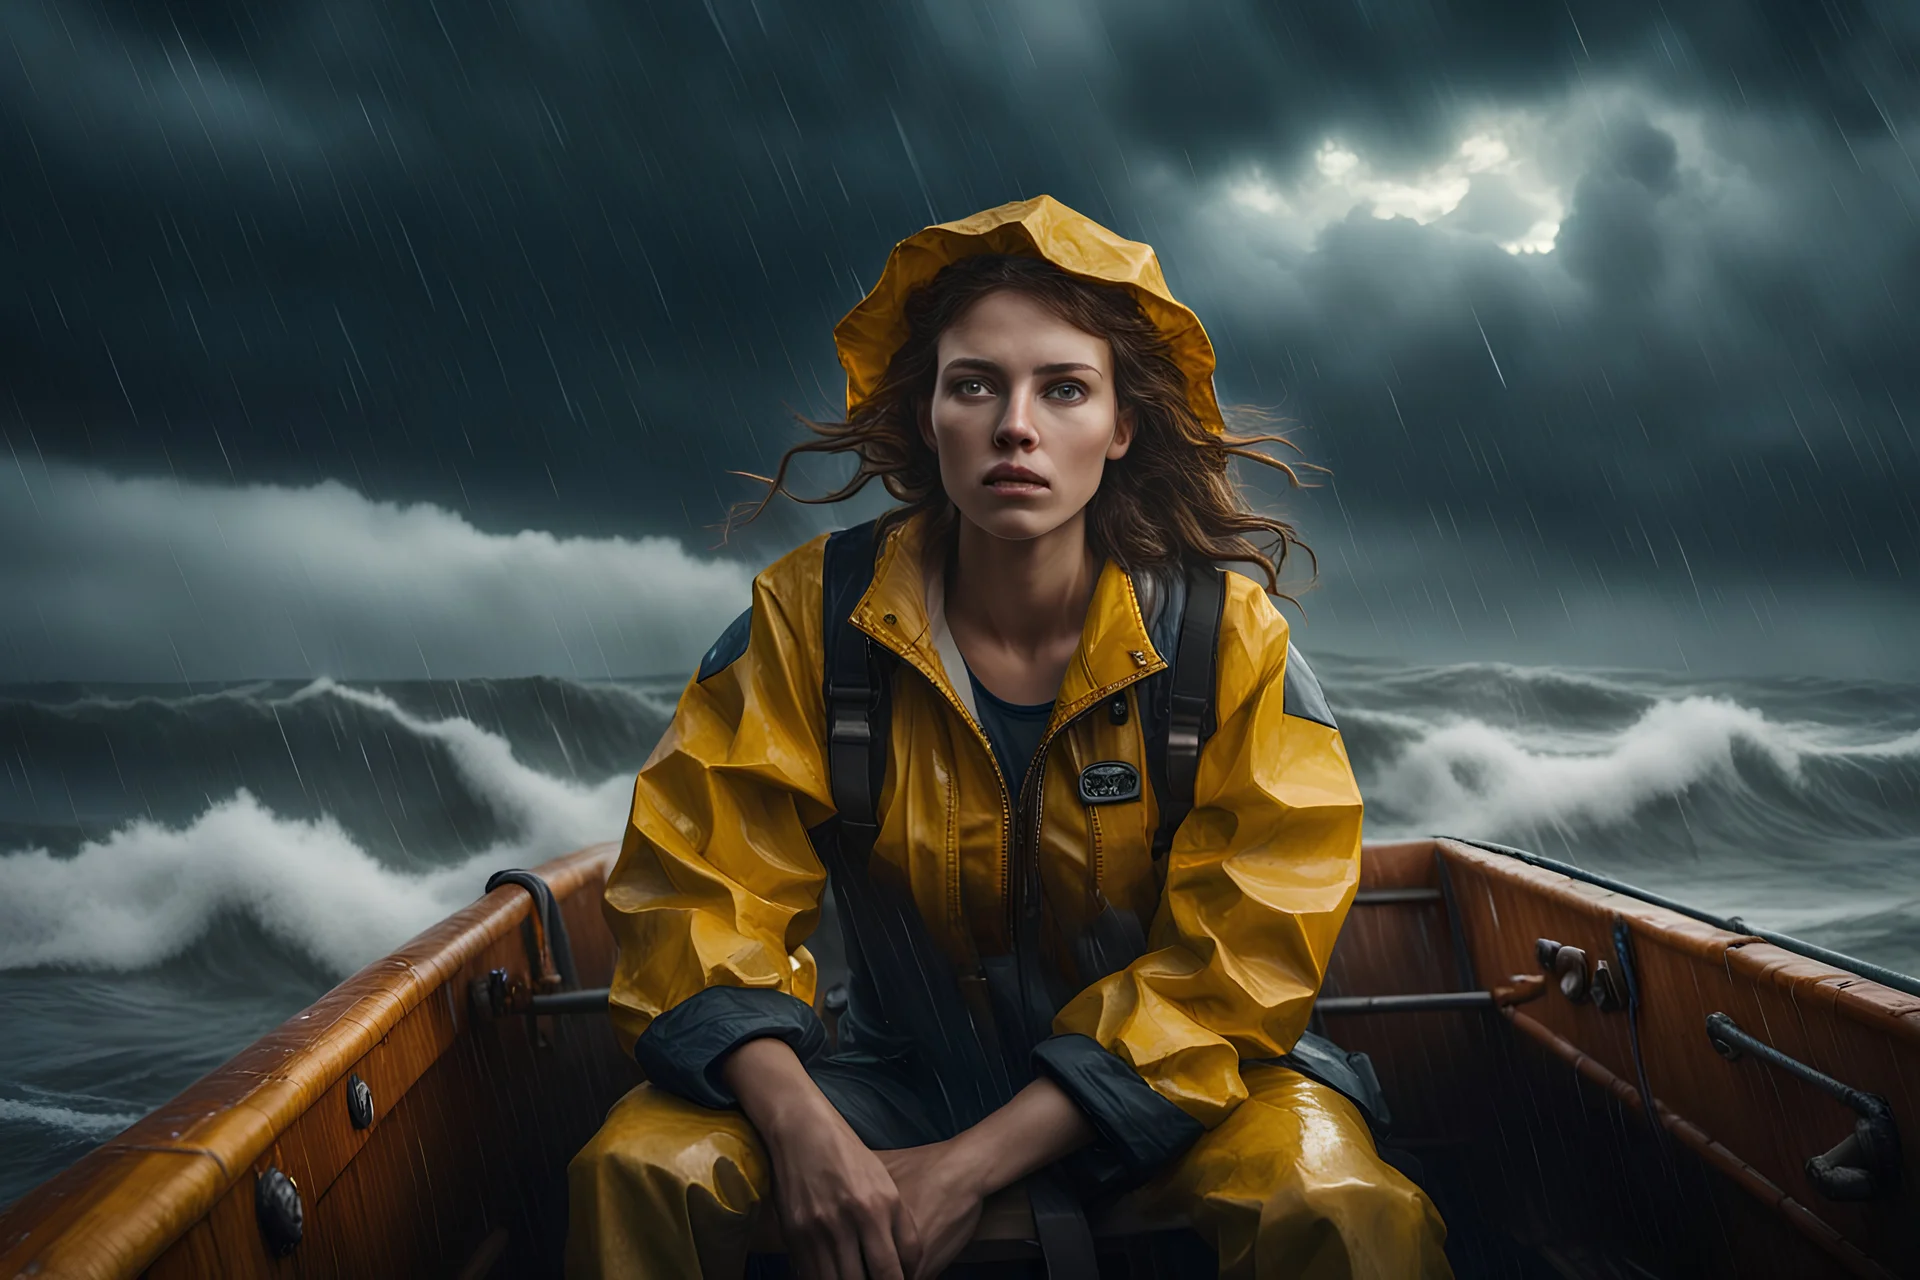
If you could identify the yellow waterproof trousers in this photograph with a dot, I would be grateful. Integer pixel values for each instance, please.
(1287, 1186)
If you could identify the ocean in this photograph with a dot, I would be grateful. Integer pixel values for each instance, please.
(182, 868)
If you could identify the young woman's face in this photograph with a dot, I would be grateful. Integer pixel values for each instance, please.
(1023, 417)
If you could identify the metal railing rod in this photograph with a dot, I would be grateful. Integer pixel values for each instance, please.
(585, 1000)
(1728, 1037)
(1391, 897)
(594, 1000)
(1426, 1002)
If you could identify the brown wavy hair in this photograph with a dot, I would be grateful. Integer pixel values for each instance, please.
(1169, 499)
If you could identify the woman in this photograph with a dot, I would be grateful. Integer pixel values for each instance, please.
(1063, 963)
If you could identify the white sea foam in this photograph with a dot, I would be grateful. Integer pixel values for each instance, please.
(90, 1124)
(1466, 775)
(148, 891)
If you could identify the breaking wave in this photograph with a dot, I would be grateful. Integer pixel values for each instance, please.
(147, 893)
(1468, 775)
(148, 890)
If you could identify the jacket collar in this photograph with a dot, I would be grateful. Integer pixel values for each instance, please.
(1115, 647)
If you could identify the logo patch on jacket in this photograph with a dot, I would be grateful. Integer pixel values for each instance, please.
(1109, 782)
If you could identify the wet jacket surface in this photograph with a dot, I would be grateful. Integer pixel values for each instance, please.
(718, 886)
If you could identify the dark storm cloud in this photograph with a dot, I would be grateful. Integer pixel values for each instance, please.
(565, 264)
(1716, 354)
(1221, 80)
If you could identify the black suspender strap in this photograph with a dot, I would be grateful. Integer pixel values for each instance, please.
(1066, 1238)
(853, 692)
(1190, 710)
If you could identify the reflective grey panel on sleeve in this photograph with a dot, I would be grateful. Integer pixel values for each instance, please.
(728, 648)
(1302, 696)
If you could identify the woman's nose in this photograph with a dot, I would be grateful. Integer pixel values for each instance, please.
(1016, 428)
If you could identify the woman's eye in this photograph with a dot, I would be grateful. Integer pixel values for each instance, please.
(1073, 390)
(969, 387)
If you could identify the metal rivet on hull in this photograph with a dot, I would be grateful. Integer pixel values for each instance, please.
(276, 1205)
(359, 1102)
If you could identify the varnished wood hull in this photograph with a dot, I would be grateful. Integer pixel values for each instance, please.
(1526, 1122)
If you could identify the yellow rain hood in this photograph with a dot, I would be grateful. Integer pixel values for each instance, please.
(1042, 227)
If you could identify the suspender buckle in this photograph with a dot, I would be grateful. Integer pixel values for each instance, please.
(850, 725)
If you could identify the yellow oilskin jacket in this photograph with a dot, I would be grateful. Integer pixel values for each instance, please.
(1166, 1043)
(718, 883)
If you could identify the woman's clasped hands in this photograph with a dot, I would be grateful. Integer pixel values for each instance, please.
(847, 1212)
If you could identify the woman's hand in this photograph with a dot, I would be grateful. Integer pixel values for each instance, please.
(945, 1184)
(942, 1192)
(840, 1212)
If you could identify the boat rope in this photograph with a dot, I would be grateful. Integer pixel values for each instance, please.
(1630, 975)
(548, 926)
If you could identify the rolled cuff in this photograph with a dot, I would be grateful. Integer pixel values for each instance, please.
(681, 1050)
(1139, 1131)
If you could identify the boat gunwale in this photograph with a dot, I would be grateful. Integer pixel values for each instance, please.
(1893, 979)
(115, 1211)
(1860, 998)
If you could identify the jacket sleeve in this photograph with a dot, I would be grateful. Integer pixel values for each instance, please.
(717, 883)
(1259, 879)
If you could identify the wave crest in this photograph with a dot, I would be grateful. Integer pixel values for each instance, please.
(148, 891)
(87, 1123)
(1471, 776)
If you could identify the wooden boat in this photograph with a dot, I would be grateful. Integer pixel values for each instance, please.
(418, 1119)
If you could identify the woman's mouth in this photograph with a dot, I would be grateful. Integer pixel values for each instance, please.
(1011, 480)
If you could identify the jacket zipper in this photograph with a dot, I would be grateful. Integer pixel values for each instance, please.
(993, 761)
(1022, 894)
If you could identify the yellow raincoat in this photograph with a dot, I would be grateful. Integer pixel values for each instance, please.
(718, 885)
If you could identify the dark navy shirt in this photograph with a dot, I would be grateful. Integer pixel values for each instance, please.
(1014, 729)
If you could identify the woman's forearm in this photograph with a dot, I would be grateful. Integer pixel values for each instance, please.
(775, 1091)
(1040, 1125)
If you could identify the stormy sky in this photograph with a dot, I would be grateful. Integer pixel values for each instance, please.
(377, 339)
